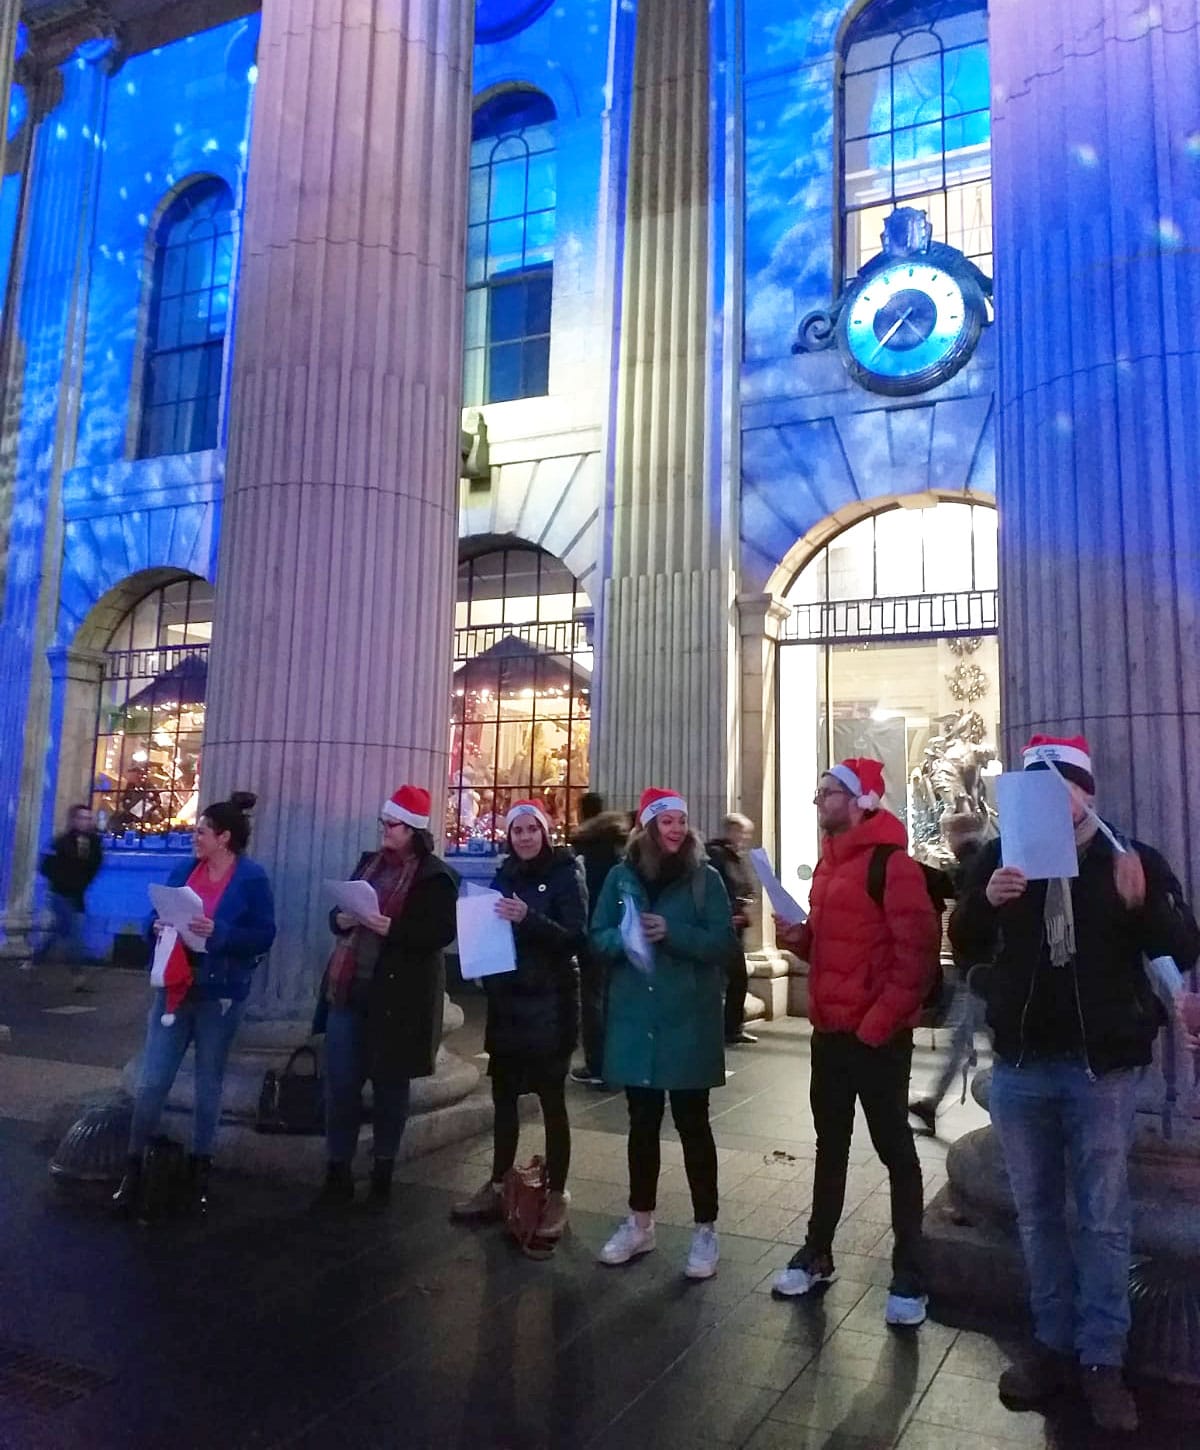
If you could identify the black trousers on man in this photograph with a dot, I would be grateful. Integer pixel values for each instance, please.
(593, 993)
(846, 1070)
(737, 984)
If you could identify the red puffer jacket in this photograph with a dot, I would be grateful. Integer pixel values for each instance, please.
(869, 970)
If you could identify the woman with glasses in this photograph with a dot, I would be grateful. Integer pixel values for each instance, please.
(381, 1000)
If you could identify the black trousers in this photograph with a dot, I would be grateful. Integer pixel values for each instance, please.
(593, 992)
(507, 1087)
(689, 1110)
(737, 983)
(845, 1070)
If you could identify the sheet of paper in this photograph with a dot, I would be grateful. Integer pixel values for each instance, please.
(485, 940)
(356, 898)
(176, 906)
(633, 937)
(162, 950)
(1036, 834)
(783, 903)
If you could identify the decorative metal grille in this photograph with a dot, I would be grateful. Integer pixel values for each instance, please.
(912, 616)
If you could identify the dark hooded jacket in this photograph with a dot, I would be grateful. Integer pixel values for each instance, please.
(599, 844)
(534, 1011)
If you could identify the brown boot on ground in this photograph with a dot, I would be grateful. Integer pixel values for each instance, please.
(483, 1206)
(1038, 1378)
(554, 1216)
(1110, 1403)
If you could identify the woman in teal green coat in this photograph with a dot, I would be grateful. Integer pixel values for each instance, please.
(663, 927)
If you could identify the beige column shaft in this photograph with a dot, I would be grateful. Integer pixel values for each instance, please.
(330, 675)
(665, 682)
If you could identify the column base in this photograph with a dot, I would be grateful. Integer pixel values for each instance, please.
(769, 971)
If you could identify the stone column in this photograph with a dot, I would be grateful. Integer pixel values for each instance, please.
(330, 673)
(668, 620)
(1096, 150)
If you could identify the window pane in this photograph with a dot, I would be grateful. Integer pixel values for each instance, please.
(504, 373)
(506, 247)
(538, 291)
(506, 320)
(539, 239)
(536, 368)
(508, 190)
(476, 253)
(542, 194)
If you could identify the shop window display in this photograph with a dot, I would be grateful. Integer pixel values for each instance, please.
(521, 704)
(146, 783)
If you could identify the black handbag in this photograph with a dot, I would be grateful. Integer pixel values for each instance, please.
(291, 1101)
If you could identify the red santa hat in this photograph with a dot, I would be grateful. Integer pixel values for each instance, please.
(654, 802)
(409, 805)
(527, 808)
(1070, 755)
(863, 778)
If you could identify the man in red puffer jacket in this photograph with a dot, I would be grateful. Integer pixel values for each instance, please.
(870, 970)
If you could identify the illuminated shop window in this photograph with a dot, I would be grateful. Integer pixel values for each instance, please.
(510, 249)
(189, 313)
(916, 125)
(145, 789)
(521, 707)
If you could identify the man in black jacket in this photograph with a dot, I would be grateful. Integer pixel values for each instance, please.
(70, 867)
(599, 842)
(727, 852)
(1073, 1018)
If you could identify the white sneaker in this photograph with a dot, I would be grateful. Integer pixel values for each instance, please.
(704, 1253)
(26, 966)
(906, 1309)
(801, 1276)
(629, 1242)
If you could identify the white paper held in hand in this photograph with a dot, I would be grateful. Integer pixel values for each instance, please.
(356, 898)
(783, 903)
(486, 946)
(1036, 832)
(633, 937)
(176, 906)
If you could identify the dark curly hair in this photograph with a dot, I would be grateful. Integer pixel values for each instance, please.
(233, 816)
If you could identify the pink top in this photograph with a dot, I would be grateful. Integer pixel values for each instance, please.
(210, 893)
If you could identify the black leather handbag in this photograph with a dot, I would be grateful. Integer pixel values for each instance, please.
(293, 1101)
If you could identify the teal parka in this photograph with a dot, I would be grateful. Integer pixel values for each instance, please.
(665, 1028)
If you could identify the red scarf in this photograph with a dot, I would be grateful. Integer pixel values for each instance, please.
(354, 958)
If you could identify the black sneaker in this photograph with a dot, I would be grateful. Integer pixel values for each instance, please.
(585, 1077)
(1107, 1398)
(741, 1039)
(926, 1113)
(1039, 1377)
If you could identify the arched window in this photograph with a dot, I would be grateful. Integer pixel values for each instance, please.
(189, 312)
(510, 249)
(521, 707)
(916, 124)
(145, 788)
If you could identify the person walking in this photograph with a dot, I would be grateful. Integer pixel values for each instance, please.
(237, 924)
(1073, 1019)
(665, 1011)
(870, 968)
(727, 852)
(382, 997)
(70, 866)
(599, 842)
(533, 1013)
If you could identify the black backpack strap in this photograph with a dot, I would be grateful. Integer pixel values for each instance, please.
(877, 872)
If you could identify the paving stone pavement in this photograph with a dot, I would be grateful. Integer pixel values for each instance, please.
(272, 1326)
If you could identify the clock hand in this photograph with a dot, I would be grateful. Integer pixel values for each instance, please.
(890, 333)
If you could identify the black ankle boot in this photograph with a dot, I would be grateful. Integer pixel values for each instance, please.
(199, 1166)
(127, 1199)
(338, 1188)
(380, 1194)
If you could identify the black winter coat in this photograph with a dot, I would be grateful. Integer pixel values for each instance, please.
(737, 874)
(1099, 1007)
(407, 992)
(534, 1011)
(71, 864)
(599, 843)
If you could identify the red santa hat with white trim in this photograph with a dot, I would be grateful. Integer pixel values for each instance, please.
(1070, 755)
(527, 808)
(410, 805)
(863, 778)
(655, 802)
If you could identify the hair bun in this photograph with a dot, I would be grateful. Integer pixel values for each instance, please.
(243, 800)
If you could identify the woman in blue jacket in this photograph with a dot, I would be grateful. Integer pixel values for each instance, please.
(237, 922)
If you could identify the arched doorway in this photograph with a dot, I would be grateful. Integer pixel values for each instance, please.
(889, 649)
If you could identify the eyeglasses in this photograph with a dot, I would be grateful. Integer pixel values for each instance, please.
(826, 791)
(387, 825)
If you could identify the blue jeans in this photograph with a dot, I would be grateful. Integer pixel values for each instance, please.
(69, 930)
(346, 1070)
(211, 1030)
(1059, 1128)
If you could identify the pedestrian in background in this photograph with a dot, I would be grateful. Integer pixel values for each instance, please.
(664, 1033)
(599, 843)
(381, 1002)
(70, 866)
(727, 852)
(533, 1013)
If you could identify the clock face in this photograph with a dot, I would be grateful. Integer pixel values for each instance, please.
(908, 326)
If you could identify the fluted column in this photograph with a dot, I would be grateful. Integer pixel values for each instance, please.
(668, 618)
(330, 675)
(1096, 155)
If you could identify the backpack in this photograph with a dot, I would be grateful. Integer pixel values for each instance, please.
(935, 884)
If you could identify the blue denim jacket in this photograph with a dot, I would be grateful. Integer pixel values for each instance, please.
(243, 930)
